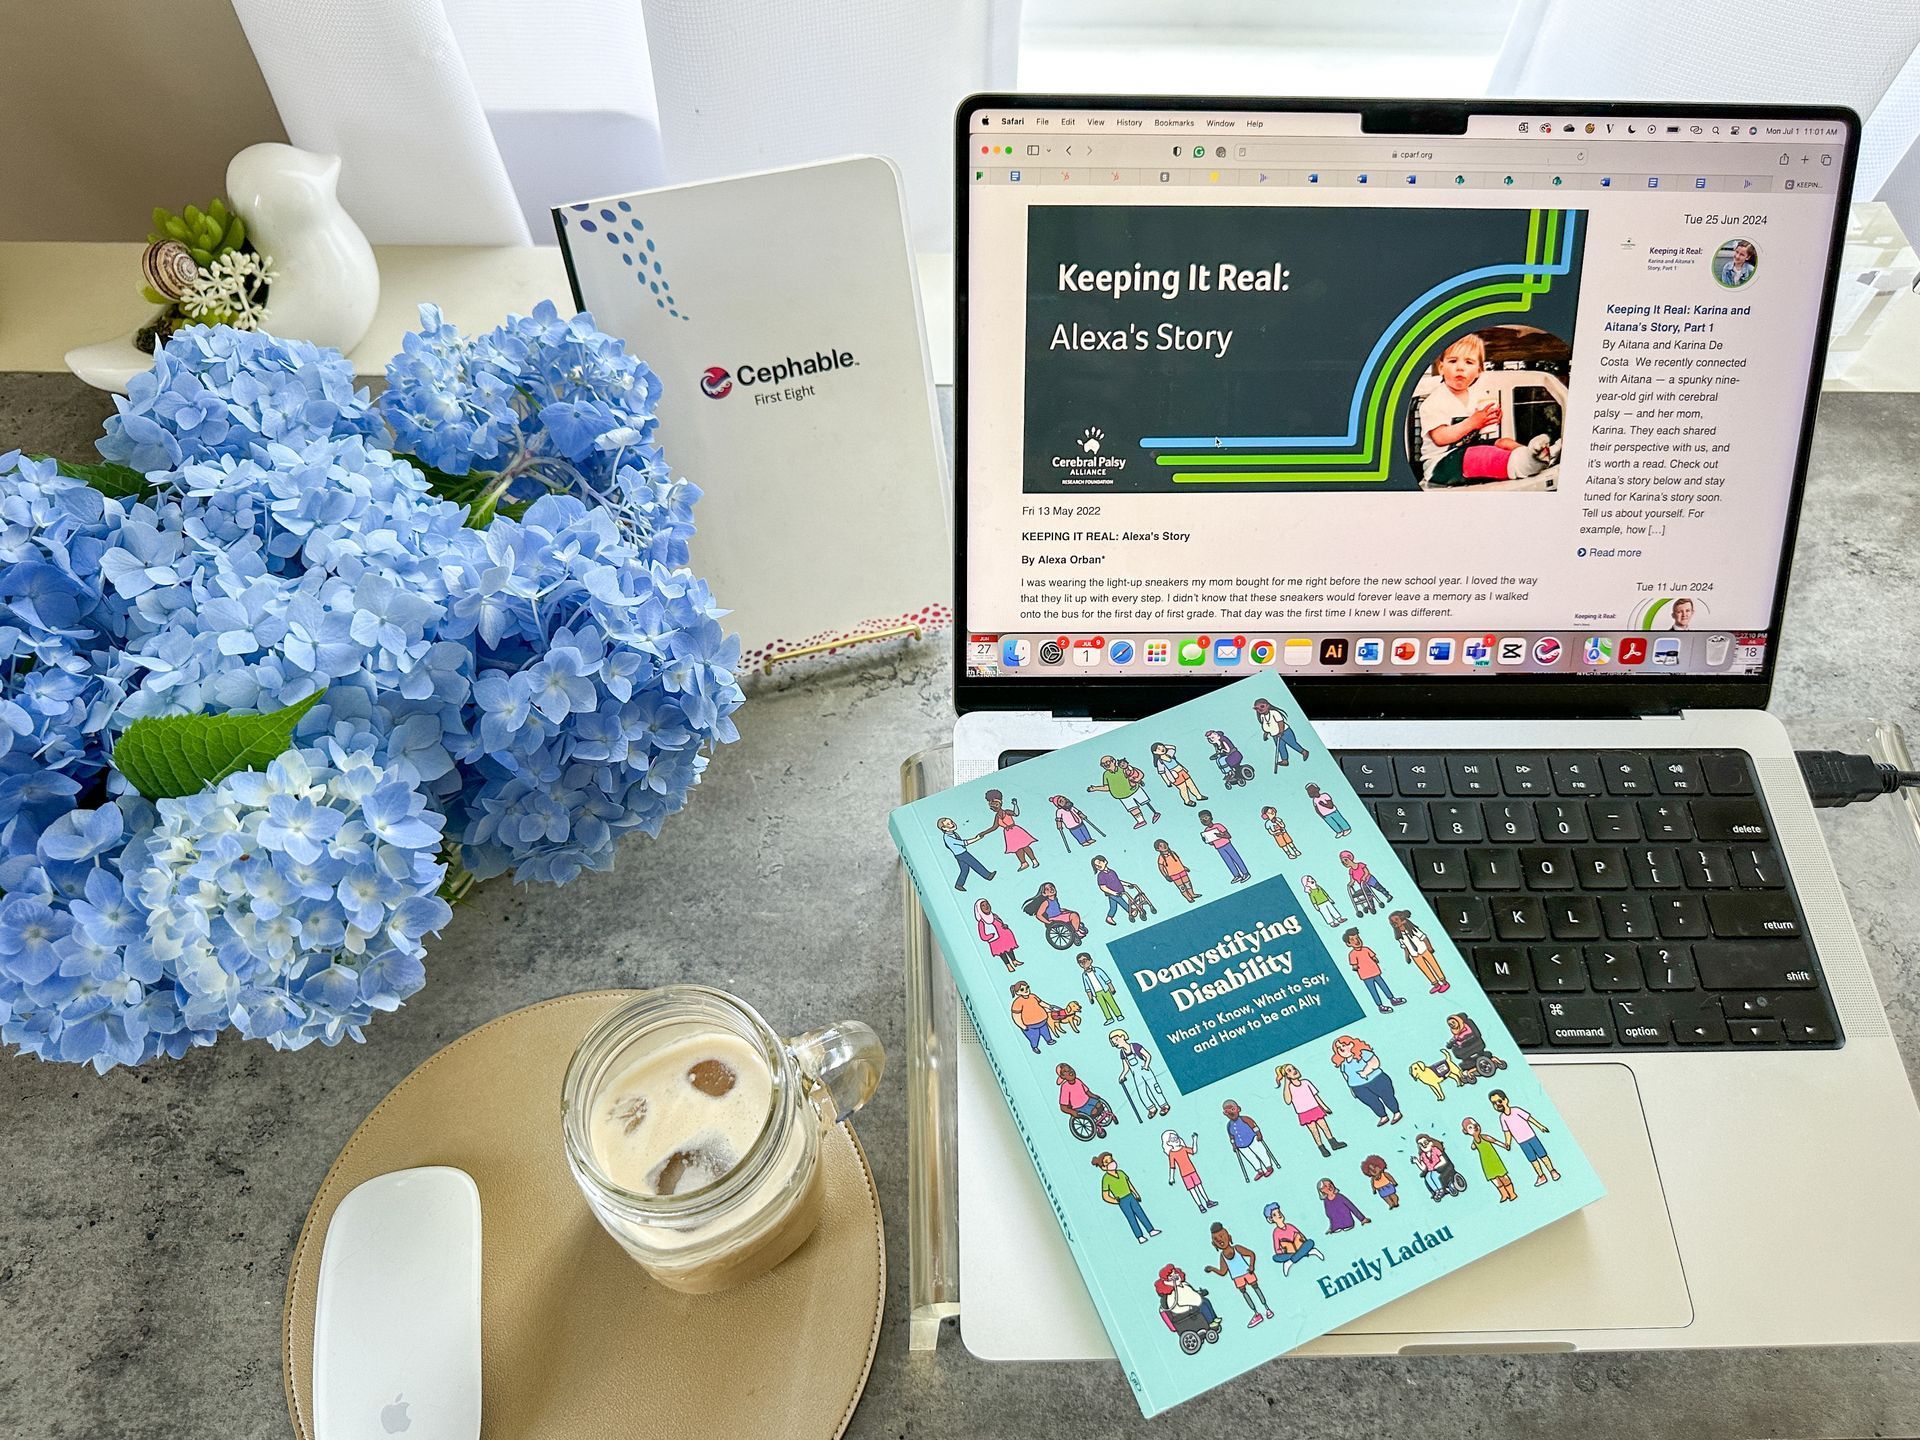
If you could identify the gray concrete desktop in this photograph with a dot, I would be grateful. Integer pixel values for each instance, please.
(146, 1216)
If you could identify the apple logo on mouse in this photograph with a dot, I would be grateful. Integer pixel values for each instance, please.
(394, 1418)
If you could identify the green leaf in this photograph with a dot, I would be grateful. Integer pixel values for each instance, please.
(445, 484)
(120, 482)
(167, 756)
(460, 489)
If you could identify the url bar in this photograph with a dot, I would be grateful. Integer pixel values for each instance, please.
(1375, 152)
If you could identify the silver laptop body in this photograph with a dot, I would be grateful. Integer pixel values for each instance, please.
(1716, 1159)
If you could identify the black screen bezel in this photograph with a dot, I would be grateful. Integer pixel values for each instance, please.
(1387, 695)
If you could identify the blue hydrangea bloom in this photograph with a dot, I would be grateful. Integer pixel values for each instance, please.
(217, 391)
(604, 679)
(516, 698)
(278, 905)
(546, 404)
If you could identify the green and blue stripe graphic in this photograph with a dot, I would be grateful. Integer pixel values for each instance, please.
(1363, 454)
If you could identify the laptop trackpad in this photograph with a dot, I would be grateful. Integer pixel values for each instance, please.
(1612, 1266)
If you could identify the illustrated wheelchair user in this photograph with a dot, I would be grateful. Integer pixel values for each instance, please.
(1232, 764)
(1466, 1057)
(1064, 927)
(1088, 1116)
(1185, 1309)
(1437, 1169)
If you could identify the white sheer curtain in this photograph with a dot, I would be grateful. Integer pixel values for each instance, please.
(462, 121)
(568, 90)
(763, 83)
(384, 85)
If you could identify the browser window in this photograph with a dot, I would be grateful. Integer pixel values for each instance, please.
(1251, 388)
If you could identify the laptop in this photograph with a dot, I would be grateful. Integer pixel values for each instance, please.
(1484, 425)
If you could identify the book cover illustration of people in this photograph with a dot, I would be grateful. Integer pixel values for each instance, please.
(1263, 1091)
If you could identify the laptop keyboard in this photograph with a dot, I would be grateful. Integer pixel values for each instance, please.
(1609, 900)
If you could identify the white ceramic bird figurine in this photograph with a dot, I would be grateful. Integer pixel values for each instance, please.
(327, 284)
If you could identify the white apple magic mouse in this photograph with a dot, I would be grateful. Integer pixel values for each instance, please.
(396, 1330)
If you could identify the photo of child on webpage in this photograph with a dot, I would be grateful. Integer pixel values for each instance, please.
(1492, 426)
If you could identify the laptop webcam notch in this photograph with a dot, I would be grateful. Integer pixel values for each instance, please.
(1425, 118)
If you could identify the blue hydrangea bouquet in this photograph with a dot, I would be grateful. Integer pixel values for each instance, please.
(291, 667)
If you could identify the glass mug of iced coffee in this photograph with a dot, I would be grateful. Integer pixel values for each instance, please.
(694, 1130)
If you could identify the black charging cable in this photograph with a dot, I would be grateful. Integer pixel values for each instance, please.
(1836, 778)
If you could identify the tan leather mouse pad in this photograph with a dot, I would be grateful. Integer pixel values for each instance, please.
(577, 1340)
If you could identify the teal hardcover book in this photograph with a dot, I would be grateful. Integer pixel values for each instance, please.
(1263, 1091)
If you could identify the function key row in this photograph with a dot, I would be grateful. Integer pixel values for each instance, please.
(1562, 773)
(1656, 818)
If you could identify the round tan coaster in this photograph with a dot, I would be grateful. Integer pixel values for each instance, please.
(577, 1340)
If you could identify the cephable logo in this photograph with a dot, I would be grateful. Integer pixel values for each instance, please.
(716, 383)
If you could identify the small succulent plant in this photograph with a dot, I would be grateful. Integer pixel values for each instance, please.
(205, 234)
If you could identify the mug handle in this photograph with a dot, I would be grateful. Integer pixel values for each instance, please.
(844, 1059)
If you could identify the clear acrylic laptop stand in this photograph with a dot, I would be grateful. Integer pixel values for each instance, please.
(1875, 848)
(933, 1020)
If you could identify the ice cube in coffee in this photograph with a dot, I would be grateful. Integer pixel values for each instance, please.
(681, 1118)
(675, 1126)
(694, 1131)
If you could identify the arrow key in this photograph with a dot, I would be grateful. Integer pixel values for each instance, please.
(1755, 1032)
(1807, 1022)
(1702, 1025)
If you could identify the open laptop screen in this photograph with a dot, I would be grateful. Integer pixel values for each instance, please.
(1246, 388)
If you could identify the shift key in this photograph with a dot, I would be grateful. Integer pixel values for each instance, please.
(1754, 965)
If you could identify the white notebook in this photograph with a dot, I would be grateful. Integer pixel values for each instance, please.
(781, 313)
